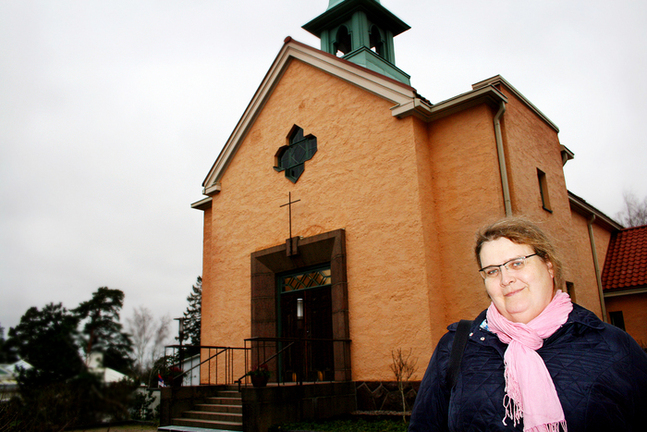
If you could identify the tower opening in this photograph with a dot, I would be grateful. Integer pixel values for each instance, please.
(376, 41)
(342, 42)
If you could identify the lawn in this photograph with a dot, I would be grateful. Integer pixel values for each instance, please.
(120, 428)
(347, 425)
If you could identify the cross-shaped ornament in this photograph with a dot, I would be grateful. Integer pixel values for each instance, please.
(290, 242)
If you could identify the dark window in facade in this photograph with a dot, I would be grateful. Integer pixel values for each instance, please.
(617, 319)
(543, 190)
(291, 158)
(570, 290)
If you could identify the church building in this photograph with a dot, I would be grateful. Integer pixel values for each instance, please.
(343, 207)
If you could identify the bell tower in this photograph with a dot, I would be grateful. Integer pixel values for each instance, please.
(362, 32)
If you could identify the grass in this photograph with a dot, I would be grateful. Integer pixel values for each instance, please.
(120, 428)
(347, 425)
(342, 425)
(352, 424)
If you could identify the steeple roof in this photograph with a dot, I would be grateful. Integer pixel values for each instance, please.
(341, 10)
(360, 31)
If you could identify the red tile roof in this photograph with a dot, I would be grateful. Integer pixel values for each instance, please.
(625, 266)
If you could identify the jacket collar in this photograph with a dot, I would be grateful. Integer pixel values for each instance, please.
(579, 317)
(585, 317)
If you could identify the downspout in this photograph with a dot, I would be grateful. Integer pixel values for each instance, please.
(598, 278)
(502, 168)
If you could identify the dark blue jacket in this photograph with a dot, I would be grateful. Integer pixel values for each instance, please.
(599, 371)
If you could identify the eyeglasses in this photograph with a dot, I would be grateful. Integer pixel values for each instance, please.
(493, 271)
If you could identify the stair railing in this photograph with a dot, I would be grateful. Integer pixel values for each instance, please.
(214, 363)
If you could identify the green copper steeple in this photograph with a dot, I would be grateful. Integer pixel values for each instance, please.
(360, 31)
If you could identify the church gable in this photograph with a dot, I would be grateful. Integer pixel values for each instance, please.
(330, 117)
(393, 92)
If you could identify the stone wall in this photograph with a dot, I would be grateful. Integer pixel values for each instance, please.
(384, 395)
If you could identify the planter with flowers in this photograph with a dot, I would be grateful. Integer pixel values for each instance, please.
(172, 376)
(260, 375)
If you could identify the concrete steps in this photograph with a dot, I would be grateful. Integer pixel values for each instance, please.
(222, 412)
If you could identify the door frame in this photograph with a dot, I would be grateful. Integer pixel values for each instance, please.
(316, 250)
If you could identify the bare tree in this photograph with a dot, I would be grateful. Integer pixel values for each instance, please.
(147, 336)
(634, 212)
(403, 367)
(141, 330)
(162, 334)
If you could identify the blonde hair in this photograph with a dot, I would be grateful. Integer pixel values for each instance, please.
(521, 231)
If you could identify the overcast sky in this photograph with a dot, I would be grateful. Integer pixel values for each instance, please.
(112, 113)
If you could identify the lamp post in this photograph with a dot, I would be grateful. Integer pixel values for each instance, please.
(181, 338)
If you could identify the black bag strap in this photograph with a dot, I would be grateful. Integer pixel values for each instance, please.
(456, 355)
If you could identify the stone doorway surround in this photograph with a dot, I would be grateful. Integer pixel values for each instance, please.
(296, 253)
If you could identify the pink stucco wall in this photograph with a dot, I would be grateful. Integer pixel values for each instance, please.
(410, 196)
(363, 179)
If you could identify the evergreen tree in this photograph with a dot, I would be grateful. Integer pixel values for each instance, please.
(3, 354)
(193, 314)
(59, 391)
(102, 332)
(7, 354)
(46, 339)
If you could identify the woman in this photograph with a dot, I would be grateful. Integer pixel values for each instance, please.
(533, 361)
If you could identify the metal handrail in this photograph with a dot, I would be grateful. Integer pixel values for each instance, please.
(220, 351)
(224, 349)
(239, 380)
(302, 343)
(259, 349)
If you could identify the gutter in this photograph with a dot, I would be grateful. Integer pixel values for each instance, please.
(598, 278)
(502, 166)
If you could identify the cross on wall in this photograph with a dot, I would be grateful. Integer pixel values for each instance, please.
(291, 244)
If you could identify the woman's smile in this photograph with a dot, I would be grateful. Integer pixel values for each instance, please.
(519, 295)
(516, 291)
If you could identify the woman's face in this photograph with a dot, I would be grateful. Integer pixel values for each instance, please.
(519, 295)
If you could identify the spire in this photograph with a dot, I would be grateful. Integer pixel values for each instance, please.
(362, 32)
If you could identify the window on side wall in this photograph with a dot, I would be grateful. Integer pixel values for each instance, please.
(543, 190)
(570, 290)
(617, 319)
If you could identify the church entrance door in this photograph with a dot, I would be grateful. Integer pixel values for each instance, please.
(305, 308)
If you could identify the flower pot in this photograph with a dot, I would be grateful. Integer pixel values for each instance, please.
(177, 382)
(259, 380)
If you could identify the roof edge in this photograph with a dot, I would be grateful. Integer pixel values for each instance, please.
(617, 292)
(498, 79)
(203, 204)
(585, 209)
(430, 112)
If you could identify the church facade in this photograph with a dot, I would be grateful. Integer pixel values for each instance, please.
(344, 205)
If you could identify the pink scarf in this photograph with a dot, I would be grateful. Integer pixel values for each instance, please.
(530, 391)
